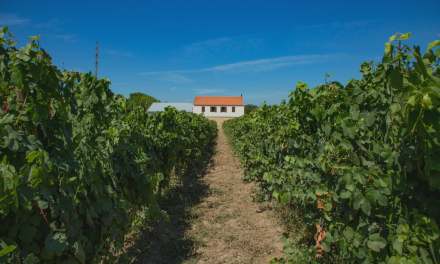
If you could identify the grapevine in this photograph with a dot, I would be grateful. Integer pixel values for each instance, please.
(77, 166)
(361, 160)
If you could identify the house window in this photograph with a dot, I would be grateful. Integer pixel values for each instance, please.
(203, 109)
(213, 109)
(223, 109)
(233, 109)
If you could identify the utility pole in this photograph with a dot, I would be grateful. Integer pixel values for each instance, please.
(96, 60)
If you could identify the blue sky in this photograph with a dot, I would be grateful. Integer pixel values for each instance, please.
(175, 50)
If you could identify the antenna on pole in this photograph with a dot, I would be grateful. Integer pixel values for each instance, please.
(96, 60)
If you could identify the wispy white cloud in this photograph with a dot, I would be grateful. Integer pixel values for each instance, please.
(173, 77)
(173, 88)
(271, 64)
(12, 20)
(220, 46)
(207, 91)
(70, 37)
(120, 83)
(54, 23)
(357, 24)
(259, 65)
(208, 43)
(348, 25)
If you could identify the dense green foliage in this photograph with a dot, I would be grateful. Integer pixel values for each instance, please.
(140, 99)
(362, 161)
(76, 164)
(249, 108)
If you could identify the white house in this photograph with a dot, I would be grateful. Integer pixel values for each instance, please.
(216, 106)
(161, 106)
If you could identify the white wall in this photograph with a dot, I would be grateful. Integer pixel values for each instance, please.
(239, 111)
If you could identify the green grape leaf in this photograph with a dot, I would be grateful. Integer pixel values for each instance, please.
(326, 244)
(433, 44)
(357, 240)
(369, 118)
(3, 30)
(361, 202)
(31, 156)
(31, 259)
(348, 233)
(7, 250)
(375, 242)
(388, 48)
(25, 193)
(397, 246)
(34, 37)
(35, 220)
(79, 252)
(404, 36)
(345, 194)
(70, 260)
(55, 244)
(27, 232)
(349, 129)
(425, 256)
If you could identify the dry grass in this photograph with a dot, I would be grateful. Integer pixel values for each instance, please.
(294, 222)
(213, 219)
(225, 217)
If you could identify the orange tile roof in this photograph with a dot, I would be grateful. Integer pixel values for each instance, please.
(217, 100)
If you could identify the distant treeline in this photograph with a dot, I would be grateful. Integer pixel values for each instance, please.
(144, 100)
(249, 108)
(140, 99)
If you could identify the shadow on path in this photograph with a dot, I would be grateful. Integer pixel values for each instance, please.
(165, 242)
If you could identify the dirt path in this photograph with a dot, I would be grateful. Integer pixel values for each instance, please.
(238, 229)
(213, 219)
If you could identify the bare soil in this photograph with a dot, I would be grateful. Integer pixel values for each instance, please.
(213, 218)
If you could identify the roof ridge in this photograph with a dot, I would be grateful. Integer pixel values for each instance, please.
(219, 100)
